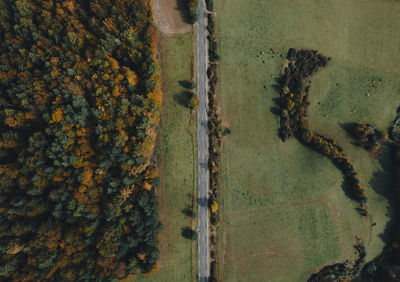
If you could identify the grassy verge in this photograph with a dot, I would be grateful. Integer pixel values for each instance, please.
(282, 205)
(177, 153)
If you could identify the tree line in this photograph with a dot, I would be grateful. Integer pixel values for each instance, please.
(215, 133)
(293, 104)
(79, 100)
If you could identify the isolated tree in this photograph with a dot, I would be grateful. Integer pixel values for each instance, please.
(194, 102)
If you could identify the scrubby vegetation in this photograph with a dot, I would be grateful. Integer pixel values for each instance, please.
(368, 136)
(79, 105)
(293, 110)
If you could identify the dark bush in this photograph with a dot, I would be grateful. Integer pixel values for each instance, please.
(213, 56)
(210, 5)
(211, 25)
(212, 70)
(189, 233)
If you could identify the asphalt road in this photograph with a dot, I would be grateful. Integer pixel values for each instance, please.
(202, 145)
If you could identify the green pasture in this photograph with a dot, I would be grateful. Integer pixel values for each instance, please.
(177, 153)
(284, 213)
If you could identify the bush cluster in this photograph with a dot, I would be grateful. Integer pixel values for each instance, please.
(293, 94)
(79, 105)
(189, 97)
(369, 137)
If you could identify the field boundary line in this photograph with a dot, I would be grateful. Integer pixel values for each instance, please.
(299, 203)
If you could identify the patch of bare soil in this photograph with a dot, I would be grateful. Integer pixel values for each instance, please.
(169, 17)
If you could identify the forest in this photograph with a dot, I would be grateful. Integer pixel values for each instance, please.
(80, 101)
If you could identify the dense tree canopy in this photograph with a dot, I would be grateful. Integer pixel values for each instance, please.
(79, 100)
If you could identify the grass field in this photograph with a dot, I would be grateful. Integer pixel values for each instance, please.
(177, 153)
(284, 213)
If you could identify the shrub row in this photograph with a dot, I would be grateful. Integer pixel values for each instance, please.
(215, 130)
(212, 41)
(328, 148)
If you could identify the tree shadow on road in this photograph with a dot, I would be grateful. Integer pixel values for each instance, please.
(202, 279)
(202, 202)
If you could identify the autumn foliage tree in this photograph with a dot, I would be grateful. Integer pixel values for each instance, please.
(192, 7)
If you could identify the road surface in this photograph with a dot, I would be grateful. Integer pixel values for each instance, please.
(202, 145)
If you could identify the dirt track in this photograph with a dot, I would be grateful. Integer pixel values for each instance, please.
(169, 18)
